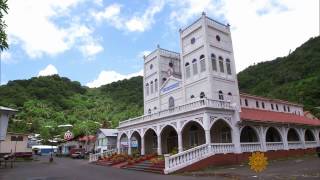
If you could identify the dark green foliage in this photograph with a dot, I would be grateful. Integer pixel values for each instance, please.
(3, 35)
(295, 77)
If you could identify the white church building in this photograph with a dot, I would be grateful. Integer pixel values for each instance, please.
(193, 108)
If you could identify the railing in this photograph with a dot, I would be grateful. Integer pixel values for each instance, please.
(251, 147)
(274, 146)
(295, 145)
(311, 144)
(217, 104)
(190, 156)
(95, 157)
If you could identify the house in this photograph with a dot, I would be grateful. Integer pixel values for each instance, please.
(106, 139)
(15, 143)
(4, 119)
(192, 105)
(87, 142)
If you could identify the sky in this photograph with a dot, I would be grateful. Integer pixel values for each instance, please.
(97, 42)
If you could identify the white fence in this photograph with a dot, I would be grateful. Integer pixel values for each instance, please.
(251, 147)
(274, 146)
(95, 157)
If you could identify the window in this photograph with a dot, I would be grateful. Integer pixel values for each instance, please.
(257, 104)
(147, 89)
(16, 138)
(221, 64)
(195, 67)
(218, 38)
(246, 102)
(171, 64)
(192, 96)
(192, 40)
(155, 108)
(284, 108)
(262, 105)
(151, 87)
(228, 66)
(187, 70)
(277, 107)
(171, 103)
(156, 85)
(214, 62)
(202, 63)
(151, 66)
(221, 95)
(202, 95)
(288, 108)
(149, 111)
(164, 80)
(272, 106)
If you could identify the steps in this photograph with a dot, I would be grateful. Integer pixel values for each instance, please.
(146, 166)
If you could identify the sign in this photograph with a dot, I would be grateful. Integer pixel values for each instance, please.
(68, 135)
(172, 86)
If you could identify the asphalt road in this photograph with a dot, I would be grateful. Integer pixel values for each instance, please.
(75, 169)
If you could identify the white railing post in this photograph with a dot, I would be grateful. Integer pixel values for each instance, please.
(166, 162)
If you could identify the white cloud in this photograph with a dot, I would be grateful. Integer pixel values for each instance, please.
(6, 57)
(136, 23)
(143, 53)
(48, 71)
(261, 29)
(31, 24)
(106, 77)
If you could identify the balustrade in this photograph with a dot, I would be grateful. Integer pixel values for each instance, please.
(274, 146)
(251, 147)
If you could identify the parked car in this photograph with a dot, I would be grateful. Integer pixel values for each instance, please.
(77, 155)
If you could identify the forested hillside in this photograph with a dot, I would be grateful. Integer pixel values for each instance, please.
(51, 101)
(295, 77)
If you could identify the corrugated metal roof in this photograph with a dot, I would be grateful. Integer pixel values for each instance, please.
(109, 132)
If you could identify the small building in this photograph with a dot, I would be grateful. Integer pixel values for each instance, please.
(4, 118)
(106, 139)
(87, 142)
(44, 149)
(15, 143)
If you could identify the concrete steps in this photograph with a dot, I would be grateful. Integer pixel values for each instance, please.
(146, 166)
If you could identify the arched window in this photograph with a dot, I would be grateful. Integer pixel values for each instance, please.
(195, 66)
(221, 95)
(272, 106)
(149, 111)
(228, 66)
(221, 64)
(246, 102)
(155, 108)
(171, 103)
(230, 96)
(202, 63)
(156, 85)
(202, 95)
(151, 87)
(214, 62)
(262, 104)
(187, 65)
(151, 66)
(257, 104)
(164, 80)
(147, 89)
(192, 96)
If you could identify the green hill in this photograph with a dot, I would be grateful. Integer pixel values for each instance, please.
(295, 77)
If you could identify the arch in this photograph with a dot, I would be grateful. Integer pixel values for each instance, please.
(221, 95)
(149, 111)
(202, 63)
(202, 95)
(156, 85)
(221, 64)
(193, 135)
(150, 141)
(293, 135)
(135, 141)
(249, 134)
(194, 66)
(214, 62)
(151, 87)
(147, 88)
(171, 102)
(188, 73)
(220, 132)
(123, 142)
(169, 139)
(308, 135)
(273, 135)
(228, 65)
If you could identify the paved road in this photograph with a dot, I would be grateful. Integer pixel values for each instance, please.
(74, 169)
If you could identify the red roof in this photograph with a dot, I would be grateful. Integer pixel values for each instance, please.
(87, 138)
(276, 117)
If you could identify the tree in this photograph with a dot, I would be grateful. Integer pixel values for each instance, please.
(3, 35)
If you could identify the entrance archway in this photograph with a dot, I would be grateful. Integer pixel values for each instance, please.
(169, 140)
(150, 141)
(220, 132)
(273, 135)
(293, 135)
(192, 135)
(308, 135)
(124, 143)
(135, 143)
(248, 134)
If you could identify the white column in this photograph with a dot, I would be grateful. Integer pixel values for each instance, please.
(262, 139)
(284, 138)
(118, 143)
(180, 147)
(236, 138)
(142, 146)
(129, 146)
(159, 144)
(301, 132)
(206, 124)
(317, 136)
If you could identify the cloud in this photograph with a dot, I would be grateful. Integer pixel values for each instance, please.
(6, 57)
(137, 23)
(34, 25)
(143, 53)
(48, 71)
(107, 77)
